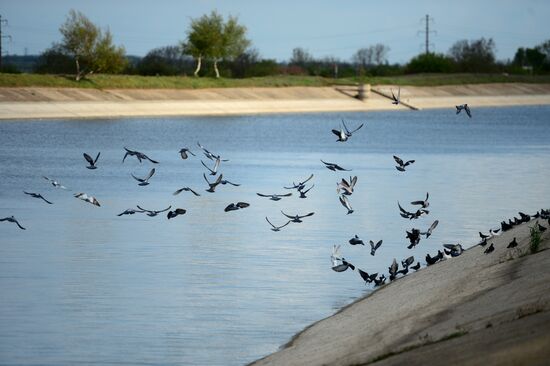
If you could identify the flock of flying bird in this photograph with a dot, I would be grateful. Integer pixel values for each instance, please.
(344, 188)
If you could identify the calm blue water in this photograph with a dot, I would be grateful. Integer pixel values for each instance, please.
(83, 286)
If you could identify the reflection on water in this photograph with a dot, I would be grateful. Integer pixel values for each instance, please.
(82, 285)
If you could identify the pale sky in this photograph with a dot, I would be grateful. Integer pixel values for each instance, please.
(324, 28)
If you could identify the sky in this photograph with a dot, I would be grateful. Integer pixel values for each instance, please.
(324, 28)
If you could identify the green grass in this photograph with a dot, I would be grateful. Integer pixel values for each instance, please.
(100, 81)
(535, 238)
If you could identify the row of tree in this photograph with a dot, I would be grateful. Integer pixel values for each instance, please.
(222, 45)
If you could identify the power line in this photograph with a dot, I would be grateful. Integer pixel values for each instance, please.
(2, 21)
(427, 32)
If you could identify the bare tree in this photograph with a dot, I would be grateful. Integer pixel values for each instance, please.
(380, 54)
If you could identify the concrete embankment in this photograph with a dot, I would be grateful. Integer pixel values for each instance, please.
(475, 309)
(38, 103)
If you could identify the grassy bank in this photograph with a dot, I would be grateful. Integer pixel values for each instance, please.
(180, 82)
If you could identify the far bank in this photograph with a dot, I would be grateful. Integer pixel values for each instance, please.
(79, 103)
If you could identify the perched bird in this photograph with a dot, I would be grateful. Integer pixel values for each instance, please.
(38, 195)
(459, 108)
(455, 249)
(400, 164)
(144, 181)
(416, 267)
(184, 153)
(274, 197)
(540, 227)
(356, 241)
(432, 260)
(130, 211)
(407, 262)
(91, 161)
(512, 244)
(54, 183)
(334, 167)
(504, 226)
(524, 217)
(423, 203)
(303, 193)
(209, 154)
(140, 156)
(12, 219)
(489, 249)
(380, 281)
(212, 186)
(346, 186)
(345, 202)
(483, 242)
(344, 133)
(176, 212)
(297, 218)
(276, 228)
(393, 269)
(396, 100)
(214, 170)
(374, 247)
(89, 199)
(483, 236)
(153, 213)
(236, 206)
(187, 189)
(430, 229)
(300, 185)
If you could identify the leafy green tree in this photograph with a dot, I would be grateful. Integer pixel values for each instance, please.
(429, 62)
(210, 37)
(474, 56)
(91, 49)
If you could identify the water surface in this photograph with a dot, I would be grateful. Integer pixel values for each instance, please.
(83, 286)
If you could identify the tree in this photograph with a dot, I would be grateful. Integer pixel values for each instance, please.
(211, 38)
(380, 54)
(301, 57)
(91, 49)
(429, 62)
(474, 56)
(363, 57)
(167, 60)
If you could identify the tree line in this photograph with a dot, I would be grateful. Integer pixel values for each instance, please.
(216, 47)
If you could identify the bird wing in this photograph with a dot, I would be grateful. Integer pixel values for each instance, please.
(364, 275)
(282, 226)
(88, 159)
(151, 160)
(242, 204)
(192, 191)
(434, 225)
(399, 94)
(283, 195)
(378, 244)
(417, 202)
(307, 215)
(393, 95)
(178, 191)
(216, 165)
(263, 195)
(45, 200)
(151, 173)
(309, 189)
(136, 178)
(344, 201)
(324, 162)
(353, 181)
(409, 162)
(468, 112)
(275, 227)
(402, 209)
(202, 162)
(97, 157)
(336, 132)
(290, 217)
(219, 180)
(17, 222)
(346, 128)
(311, 176)
(398, 160)
(427, 196)
(361, 125)
(166, 209)
(206, 179)
(143, 210)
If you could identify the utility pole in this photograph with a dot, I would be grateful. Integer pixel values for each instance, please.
(427, 32)
(2, 21)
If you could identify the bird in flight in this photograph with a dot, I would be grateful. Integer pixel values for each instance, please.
(187, 189)
(153, 213)
(274, 197)
(334, 167)
(54, 183)
(344, 133)
(38, 195)
(176, 212)
(423, 203)
(297, 218)
(303, 193)
(214, 170)
(345, 202)
(396, 100)
(140, 156)
(89, 199)
(212, 186)
(236, 206)
(144, 181)
(339, 264)
(184, 153)
(346, 186)
(430, 229)
(12, 219)
(400, 164)
(374, 247)
(91, 161)
(459, 109)
(300, 185)
(209, 154)
(276, 228)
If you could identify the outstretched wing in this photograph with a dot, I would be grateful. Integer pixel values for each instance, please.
(275, 227)
(311, 176)
(307, 215)
(97, 157)
(468, 112)
(398, 160)
(211, 171)
(151, 173)
(136, 178)
(408, 163)
(378, 244)
(336, 132)
(290, 217)
(402, 209)
(88, 159)
(356, 129)
(166, 209)
(263, 195)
